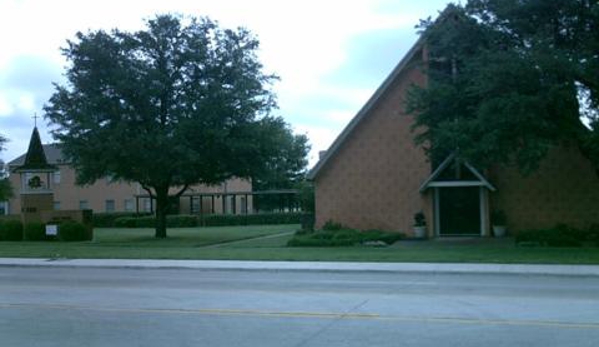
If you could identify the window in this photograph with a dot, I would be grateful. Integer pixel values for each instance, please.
(128, 205)
(109, 205)
(56, 177)
(83, 205)
(147, 205)
(3, 207)
(56, 205)
(244, 205)
(195, 204)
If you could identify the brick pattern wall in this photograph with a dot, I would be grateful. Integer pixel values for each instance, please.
(69, 195)
(373, 179)
(565, 189)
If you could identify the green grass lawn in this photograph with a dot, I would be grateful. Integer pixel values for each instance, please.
(240, 243)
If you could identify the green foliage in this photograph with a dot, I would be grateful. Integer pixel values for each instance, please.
(11, 230)
(506, 80)
(593, 235)
(308, 220)
(286, 168)
(187, 221)
(73, 231)
(34, 231)
(6, 191)
(342, 237)
(560, 236)
(252, 219)
(306, 195)
(331, 225)
(498, 218)
(179, 103)
(108, 219)
(419, 219)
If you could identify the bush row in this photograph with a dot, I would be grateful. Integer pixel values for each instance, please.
(342, 237)
(559, 236)
(108, 219)
(13, 230)
(187, 221)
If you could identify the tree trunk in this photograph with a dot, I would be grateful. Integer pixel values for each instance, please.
(161, 211)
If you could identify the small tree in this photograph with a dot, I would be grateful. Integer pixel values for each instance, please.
(180, 103)
(5, 187)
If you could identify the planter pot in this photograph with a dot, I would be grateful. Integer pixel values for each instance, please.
(420, 232)
(499, 230)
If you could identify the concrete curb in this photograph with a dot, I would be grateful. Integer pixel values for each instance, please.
(232, 265)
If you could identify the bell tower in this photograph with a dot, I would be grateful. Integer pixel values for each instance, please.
(36, 184)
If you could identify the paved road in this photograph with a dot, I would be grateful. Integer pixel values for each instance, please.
(133, 307)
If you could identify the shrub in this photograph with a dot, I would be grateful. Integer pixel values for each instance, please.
(307, 221)
(419, 219)
(34, 231)
(181, 221)
(108, 220)
(145, 222)
(125, 222)
(498, 217)
(388, 237)
(73, 231)
(332, 226)
(593, 234)
(560, 236)
(11, 230)
(342, 237)
(186, 221)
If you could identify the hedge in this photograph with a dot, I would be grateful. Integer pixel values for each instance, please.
(34, 231)
(107, 220)
(73, 231)
(187, 221)
(11, 230)
(342, 237)
(559, 236)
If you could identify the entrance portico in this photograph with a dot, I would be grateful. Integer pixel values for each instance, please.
(460, 199)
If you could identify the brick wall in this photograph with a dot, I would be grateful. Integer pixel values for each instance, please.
(565, 189)
(373, 179)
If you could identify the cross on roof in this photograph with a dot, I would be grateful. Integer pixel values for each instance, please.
(35, 117)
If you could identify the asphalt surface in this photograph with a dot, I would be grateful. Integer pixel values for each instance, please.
(100, 306)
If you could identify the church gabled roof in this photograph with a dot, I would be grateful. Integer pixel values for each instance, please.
(35, 159)
(370, 104)
(365, 110)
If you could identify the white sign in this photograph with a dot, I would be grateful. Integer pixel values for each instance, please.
(51, 230)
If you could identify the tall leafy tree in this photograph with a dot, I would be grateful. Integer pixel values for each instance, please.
(181, 102)
(289, 166)
(509, 79)
(5, 187)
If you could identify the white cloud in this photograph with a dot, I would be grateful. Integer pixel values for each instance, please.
(321, 139)
(301, 41)
(5, 105)
(26, 102)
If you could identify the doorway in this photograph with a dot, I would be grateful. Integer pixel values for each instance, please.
(459, 211)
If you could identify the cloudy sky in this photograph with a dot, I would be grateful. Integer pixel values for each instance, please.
(331, 55)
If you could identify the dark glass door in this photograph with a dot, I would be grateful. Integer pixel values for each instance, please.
(459, 211)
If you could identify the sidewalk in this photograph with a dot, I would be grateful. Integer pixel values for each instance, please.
(433, 268)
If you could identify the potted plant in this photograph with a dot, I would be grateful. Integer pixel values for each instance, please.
(419, 225)
(499, 221)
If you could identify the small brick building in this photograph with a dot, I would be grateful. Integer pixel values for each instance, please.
(374, 177)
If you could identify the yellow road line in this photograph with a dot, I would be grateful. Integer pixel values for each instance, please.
(317, 315)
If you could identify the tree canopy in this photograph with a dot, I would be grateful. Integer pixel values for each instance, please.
(289, 166)
(179, 103)
(510, 79)
(5, 187)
